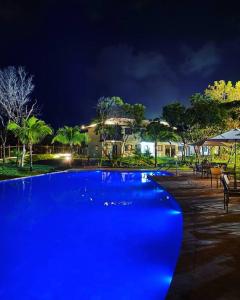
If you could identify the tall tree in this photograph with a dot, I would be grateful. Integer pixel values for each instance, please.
(115, 107)
(223, 91)
(177, 116)
(30, 132)
(107, 107)
(16, 87)
(227, 94)
(206, 112)
(206, 118)
(3, 132)
(135, 114)
(158, 132)
(16, 104)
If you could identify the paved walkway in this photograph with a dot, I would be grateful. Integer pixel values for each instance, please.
(209, 263)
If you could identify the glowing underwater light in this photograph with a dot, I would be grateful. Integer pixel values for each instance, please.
(167, 279)
(159, 191)
(174, 212)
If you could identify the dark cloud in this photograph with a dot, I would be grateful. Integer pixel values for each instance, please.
(204, 60)
(149, 77)
(144, 77)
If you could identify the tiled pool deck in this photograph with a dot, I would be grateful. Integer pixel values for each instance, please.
(209, 263)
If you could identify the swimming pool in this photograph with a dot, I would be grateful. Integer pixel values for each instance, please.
(94, 235)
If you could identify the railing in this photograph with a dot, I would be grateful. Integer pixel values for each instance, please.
(10, 151)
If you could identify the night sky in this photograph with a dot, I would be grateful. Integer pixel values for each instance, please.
(152, 52)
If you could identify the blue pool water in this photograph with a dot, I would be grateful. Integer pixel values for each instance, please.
(91, 235)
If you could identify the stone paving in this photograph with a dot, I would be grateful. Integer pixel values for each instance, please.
(209, 262)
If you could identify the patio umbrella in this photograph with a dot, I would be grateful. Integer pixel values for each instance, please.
(231, 136)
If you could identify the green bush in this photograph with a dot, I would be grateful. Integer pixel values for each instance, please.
(137, 161)
(39, 157)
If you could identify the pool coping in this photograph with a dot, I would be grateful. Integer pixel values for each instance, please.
(84, 170)
(32, 176)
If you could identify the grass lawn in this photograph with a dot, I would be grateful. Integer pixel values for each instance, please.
(10, 170)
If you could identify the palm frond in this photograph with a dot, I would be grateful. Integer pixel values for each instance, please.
(70, 136)
(31, 131)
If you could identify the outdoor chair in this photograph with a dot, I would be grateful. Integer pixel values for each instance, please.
(228, 192)
(215, 173)
(197, 168)
(205, 170)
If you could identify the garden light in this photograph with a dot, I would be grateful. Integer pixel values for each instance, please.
(68, 157)
(65, 156)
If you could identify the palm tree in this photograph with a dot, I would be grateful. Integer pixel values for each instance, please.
(71, 136)
(31, 131)
(156, 132)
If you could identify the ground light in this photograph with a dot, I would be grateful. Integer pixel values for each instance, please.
(66, 156)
